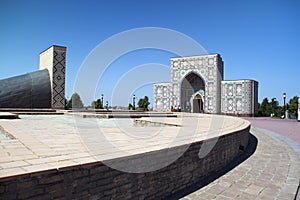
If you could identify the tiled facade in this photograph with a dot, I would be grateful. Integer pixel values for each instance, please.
(197, 86)
(162, 93)
(54, 59)
(239, 97)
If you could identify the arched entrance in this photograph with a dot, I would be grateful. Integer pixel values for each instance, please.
(197, 104)
(191, 84)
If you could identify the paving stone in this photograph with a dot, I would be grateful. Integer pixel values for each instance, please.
(231, 192)
(272, 172)
(13, 164)
(254, 190)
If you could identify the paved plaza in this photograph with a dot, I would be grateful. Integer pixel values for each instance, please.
(53, 142)
(288, 128)
(271, 172)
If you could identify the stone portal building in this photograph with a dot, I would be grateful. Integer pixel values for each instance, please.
(197, 85)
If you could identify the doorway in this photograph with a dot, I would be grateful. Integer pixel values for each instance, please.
(191, 84)
(198, 104)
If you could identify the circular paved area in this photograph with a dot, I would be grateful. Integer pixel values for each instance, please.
(45, 142)
(271, 172)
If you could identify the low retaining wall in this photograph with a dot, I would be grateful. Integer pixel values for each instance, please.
(97, 181)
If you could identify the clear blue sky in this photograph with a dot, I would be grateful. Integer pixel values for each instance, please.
(256, 39)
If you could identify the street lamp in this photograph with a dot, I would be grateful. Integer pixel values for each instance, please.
(273, 106)
(102, 100)
(284, 97)
(133, 102)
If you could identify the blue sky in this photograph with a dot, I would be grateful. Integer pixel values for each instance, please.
(256, 39)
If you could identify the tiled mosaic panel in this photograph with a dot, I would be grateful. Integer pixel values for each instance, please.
(233, 97)
(237, 97)
(59, 63)
(209, 68)
(161, 97)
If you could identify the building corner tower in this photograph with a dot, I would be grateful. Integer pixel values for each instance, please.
(54, 60)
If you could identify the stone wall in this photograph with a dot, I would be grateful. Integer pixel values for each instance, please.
(208, 67)
(97, 181)
(239, 97)
(161, 97)
(54, 59)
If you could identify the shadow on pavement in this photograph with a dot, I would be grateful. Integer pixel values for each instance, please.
(244, 156)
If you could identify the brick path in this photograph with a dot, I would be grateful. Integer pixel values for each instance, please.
(272, 172)
(287, 128)
(53, 142)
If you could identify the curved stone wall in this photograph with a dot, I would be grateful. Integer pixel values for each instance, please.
(98, 181)
(30, 90)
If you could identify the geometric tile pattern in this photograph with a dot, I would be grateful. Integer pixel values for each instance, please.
(59, 70)
(54, 59)
(239, 97)
(228, 97)
(209, 68)
(162, 98)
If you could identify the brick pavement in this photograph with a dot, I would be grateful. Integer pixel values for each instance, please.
(53, 142)
(287, 128)
(271, 172)
(56, 156)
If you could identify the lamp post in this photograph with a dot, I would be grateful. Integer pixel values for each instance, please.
(273, 106)
(106, 105)
(102, 100)
(298, 111)
(133, 102)
(284, 97)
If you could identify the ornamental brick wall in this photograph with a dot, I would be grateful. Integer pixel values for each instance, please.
(54, 59)
(97, 181)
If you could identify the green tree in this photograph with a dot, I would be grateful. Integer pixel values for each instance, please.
(130, 106)
(267, 108)
(144, 103)
(274, 106)
(66, 104)
(264, 108)
(97, 104)
(75, 102)
(293, 106)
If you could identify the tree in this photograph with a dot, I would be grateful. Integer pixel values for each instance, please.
(75, 102)
(274, 106)
(144, 103)
(97, 104)
(267, 108)
(66, 104)
(130, 106)
(264, 108)
(293, 106)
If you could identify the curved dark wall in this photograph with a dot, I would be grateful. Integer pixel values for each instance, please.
(31, 90)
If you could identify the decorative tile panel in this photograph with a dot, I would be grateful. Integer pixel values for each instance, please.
(239, 97)
(54, 59)
(229, 97)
